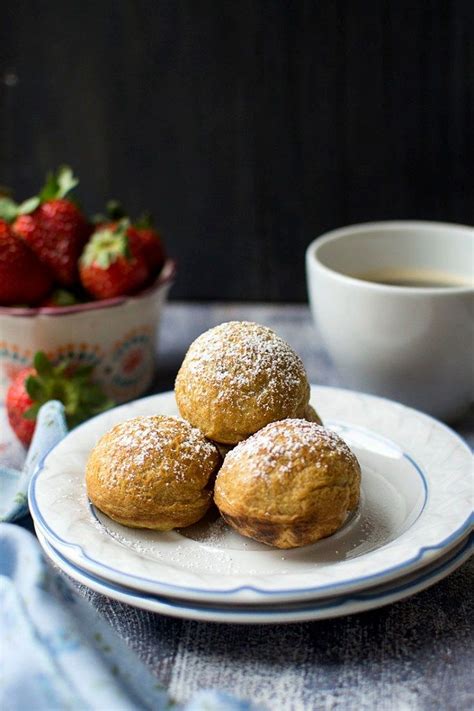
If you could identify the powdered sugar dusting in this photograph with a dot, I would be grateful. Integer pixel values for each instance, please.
(168, 444)
(280, 444)
(213, 533)
(245, 359)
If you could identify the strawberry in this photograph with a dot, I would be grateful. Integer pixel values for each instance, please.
(18, 402)
(111, 264)
(53, 225)
(149, 241)
(23, 279)
(145, 236)
(33, 386)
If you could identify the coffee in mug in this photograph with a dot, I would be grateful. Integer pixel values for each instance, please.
(394, 302)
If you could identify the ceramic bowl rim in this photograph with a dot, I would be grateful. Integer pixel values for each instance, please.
(164, 279)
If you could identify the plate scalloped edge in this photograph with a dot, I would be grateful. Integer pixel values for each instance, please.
(317, 610)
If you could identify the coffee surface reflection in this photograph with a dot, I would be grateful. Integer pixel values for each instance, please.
(414, 278)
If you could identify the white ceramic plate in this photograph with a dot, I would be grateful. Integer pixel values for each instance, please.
(377, 596)
(416, 504)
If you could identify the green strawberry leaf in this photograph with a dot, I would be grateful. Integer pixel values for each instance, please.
(71, 397)
(50, 188)
(66, 181)
(115, 210)
(32, 412)
(58, 185)
(41, 363)
(28, 206)
(144, 221)
(61, 368)
(106, 405)
(35, 388)
(92, 395)
(122, 226)
(62, 297)
(73, 386)
(105, 259)
(83, 371)
(107, 245)
(8, 209)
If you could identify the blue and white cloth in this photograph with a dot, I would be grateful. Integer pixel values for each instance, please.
(56, 652)
(16, 470)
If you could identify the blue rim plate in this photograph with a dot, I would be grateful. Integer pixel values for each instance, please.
(280, 613)
(416, 505)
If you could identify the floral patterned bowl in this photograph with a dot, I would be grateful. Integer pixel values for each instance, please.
(117, 336)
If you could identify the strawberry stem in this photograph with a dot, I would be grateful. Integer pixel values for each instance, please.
(58, 184)
(107, 245)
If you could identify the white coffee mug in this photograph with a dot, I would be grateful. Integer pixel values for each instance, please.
(414, 344)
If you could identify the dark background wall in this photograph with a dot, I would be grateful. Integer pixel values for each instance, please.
(248, 127)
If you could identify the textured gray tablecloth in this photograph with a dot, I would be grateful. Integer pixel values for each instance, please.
(414, 655)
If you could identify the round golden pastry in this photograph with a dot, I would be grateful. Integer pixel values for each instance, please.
(288, 485)
(152, 472)
(238, 377)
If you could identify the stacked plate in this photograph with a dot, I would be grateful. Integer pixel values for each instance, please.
(413, 526)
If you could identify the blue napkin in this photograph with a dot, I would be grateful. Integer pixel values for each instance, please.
(56, 652)
(15, 470)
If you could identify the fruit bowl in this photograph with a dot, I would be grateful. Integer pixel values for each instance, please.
(117, 336)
